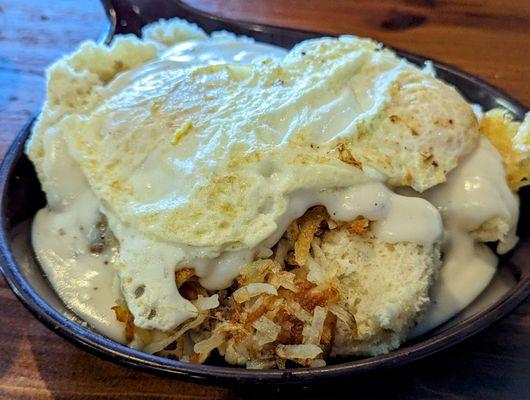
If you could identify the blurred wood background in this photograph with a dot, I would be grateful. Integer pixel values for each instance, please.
(485, 37)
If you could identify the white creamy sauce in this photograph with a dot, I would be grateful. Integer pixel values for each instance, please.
(393, 213)
(61, 235)
(475, 192)
(373, 200)
(87, 283)
(467, 270)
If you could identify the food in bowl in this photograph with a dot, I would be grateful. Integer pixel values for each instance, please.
(211, 194)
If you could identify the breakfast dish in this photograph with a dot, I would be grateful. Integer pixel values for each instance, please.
(212, 194)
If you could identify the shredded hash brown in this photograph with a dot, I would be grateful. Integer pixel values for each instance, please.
(512, 142)
(273, 315)
(124, 315)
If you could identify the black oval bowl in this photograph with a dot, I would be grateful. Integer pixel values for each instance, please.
(21, 197)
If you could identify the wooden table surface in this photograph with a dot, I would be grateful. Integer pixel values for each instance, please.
(488, 38)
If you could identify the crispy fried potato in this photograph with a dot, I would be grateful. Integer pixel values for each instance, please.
(124, 315)
(512, 140)
(309, 223)
(358, 226)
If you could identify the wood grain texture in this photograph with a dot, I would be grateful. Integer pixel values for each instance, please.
(485, 37)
